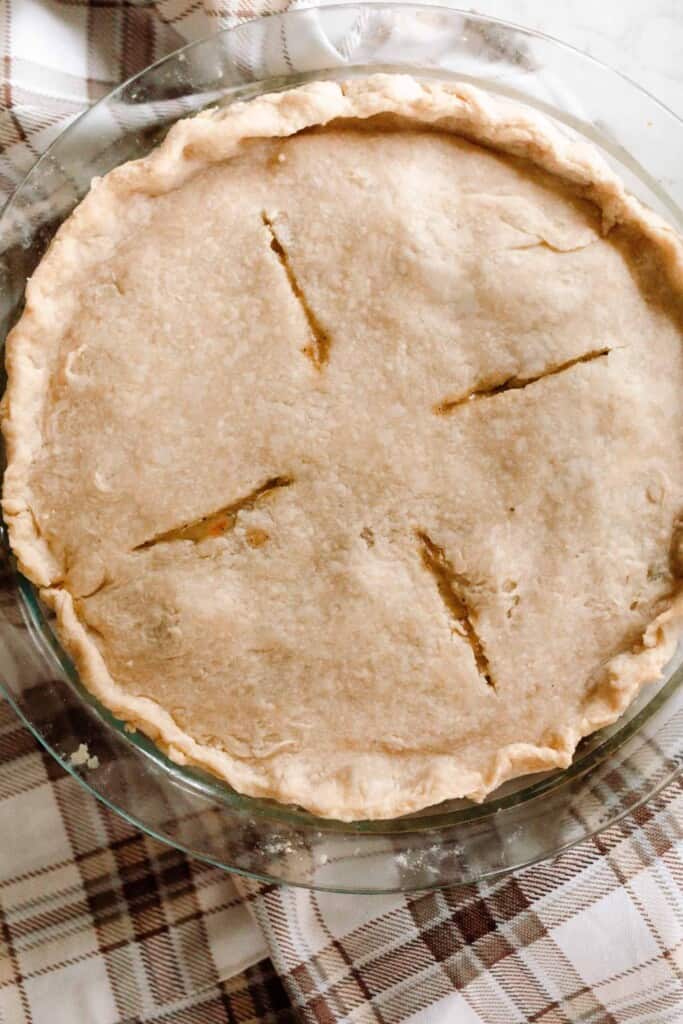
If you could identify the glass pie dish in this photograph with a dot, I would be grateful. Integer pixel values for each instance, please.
(532, 818)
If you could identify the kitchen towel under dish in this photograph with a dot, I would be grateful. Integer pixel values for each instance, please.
(101, 924)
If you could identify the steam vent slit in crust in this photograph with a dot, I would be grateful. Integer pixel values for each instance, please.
(344, 437)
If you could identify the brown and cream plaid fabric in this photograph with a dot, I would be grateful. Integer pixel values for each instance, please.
(59, 56)
(594, 936)
(101, 924)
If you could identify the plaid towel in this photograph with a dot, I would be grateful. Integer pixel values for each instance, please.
(101, 924)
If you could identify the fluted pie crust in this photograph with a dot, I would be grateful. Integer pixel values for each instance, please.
(345, 439)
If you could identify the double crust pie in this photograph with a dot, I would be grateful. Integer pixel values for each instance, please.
(345, 439)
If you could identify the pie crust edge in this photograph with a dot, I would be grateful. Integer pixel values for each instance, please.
(190, 146)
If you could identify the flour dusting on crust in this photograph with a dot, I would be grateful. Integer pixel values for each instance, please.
(345, 439)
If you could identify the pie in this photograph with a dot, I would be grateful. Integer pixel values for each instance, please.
(345, 439)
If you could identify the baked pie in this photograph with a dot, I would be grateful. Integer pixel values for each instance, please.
(345, 438)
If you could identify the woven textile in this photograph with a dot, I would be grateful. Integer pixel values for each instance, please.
(102, 924)
(595, 935)
(59, 57)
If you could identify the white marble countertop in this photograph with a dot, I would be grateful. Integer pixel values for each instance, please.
(641, 38)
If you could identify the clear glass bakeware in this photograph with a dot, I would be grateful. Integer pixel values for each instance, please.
(614, 770)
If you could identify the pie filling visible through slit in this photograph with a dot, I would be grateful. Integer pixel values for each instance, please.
(345, 439)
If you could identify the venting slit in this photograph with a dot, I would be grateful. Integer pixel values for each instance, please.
(517, 383)
(319, 349)
(452, 590)
(217, 523)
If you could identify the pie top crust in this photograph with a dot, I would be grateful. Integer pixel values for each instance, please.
(345, 439)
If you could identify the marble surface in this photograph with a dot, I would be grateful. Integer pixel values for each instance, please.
(641, 38)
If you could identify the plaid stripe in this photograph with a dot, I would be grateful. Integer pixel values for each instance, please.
(594, 936)
(108, 922)
(58, 57)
